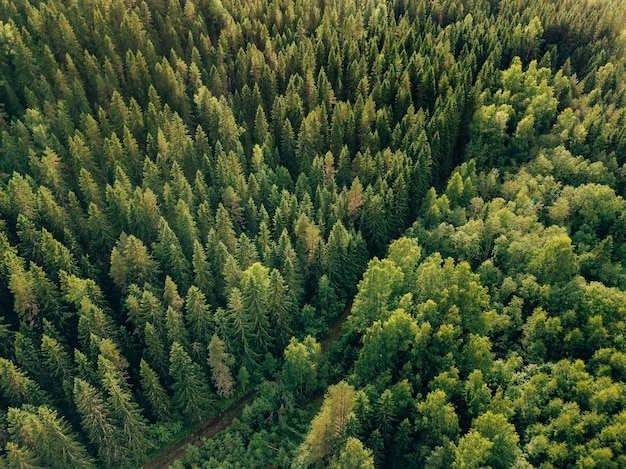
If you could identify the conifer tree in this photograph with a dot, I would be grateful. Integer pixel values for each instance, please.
(192, 397)
(329, 423)
(255, 289)
(155, 349)
(198, 316)
(168, 251)
(154, 393)
(186, 228)
(17, 388)
(240, 329)
(57, 360)
(151, 309)
(224, 229)
(280, 306)
(203, 277)
(48, 437)
(170, 295)
(131, 262)
(220, 363)
(27, 355)
(175, 328)
(21, 457)
(133, 440)
(97, 421)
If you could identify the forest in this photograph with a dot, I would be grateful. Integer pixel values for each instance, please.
(193, 191)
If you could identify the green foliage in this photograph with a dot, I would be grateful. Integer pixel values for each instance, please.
(133, 439)
(41, 431)
(220, 362)
(380, 283)
(17, 387)
(389, 346)
(328, 426)
(192, 397)
(185, 186)
(97, 421)
(302, 361)
(154, 393)
(354, 455)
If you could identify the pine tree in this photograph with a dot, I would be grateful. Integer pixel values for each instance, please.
(93, 321)
(260, 126)
(255, 289)
(170, 295)
(280, 308)
(85, 369)
(220, 363)
(17, 387)
(131, 263)
(20, 457)
(198, 316)
(154, 393)
(336, 254)
(246, 252)
(133, 442)
(27, 355)
(225, 230)
(97, 421)
(185, 227)
(203, 277)
(288, 146)
(99, 229)
(155, 349)
(374, 223)
(47, 436)
(239, 329)
(191, 393)
(169, 252)
(24, 301)
(57, 360)
(175, 328)
(309, 142)
(328, 425)
(6, 338)
(47, 295)
(151, 308)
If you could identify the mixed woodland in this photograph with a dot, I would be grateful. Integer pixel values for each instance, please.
(193, 191)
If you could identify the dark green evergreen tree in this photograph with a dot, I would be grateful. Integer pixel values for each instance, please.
(192, 397)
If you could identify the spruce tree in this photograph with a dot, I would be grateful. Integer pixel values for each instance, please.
(48, 437)
(17, 388)
(97, 421)
(198, 315)
(133, 442)
(220, 363)
(192, 397)
(155, 349)
(56, 359)
(153, 392)
(255, 289)
(203, 276)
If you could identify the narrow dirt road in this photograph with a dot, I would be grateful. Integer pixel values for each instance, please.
(335, 330)
(235, 410)
(213, 426)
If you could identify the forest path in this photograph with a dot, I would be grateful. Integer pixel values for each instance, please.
(209, 429)
(333, 333)
(225, 418)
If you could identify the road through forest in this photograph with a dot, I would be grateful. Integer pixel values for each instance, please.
(235, 410)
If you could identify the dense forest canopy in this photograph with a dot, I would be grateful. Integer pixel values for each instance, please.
(193, 191)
